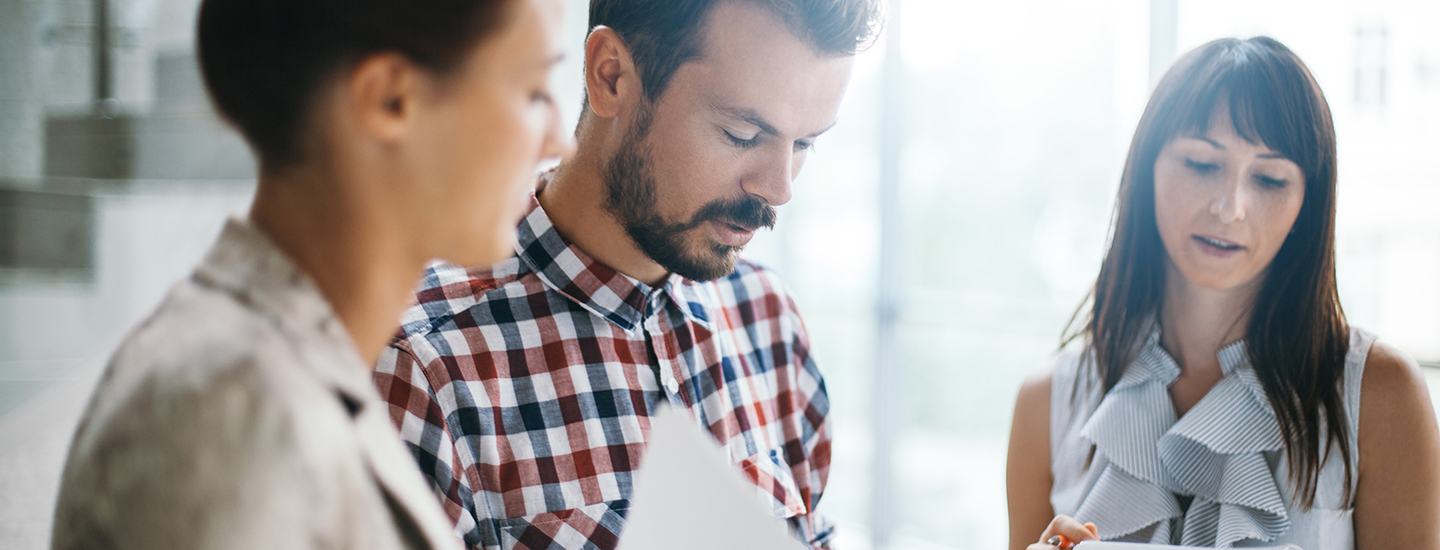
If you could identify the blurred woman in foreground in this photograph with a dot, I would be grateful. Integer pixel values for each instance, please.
(241, 413)
(1217, 397)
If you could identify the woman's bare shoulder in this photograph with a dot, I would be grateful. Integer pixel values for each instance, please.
(1395, 403)
(1391, 373)
(1035, 390)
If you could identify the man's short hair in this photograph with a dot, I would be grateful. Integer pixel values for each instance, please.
(263, 61)
(664, 34)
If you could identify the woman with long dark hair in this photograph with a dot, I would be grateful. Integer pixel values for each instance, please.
(1215, 395)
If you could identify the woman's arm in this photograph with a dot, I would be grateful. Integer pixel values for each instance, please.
(1027, 466)
(1397, 501)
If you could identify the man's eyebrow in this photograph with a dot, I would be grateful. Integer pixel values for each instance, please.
(751, 117)
(826, 129)
(748, 116)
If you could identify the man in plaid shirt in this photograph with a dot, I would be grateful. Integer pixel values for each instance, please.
(524, 388)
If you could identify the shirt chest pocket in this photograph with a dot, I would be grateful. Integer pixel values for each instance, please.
(770, 474)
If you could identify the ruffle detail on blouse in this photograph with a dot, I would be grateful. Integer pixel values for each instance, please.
(1214, 454)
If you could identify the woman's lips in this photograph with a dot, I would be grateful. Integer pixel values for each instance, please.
(731, 234)
(1217, 247)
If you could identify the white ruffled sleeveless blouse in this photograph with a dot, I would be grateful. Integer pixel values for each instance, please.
(1124, 461)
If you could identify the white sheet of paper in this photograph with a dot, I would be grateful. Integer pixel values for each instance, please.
(1098, 545)
(688, 495)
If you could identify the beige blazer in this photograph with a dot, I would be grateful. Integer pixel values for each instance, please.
(239, 415)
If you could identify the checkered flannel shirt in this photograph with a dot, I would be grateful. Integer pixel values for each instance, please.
(524, 389)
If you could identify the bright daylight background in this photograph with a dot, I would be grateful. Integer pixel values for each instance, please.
(997, 130)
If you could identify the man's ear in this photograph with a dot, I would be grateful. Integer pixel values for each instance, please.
(610, 78)
(383, 92)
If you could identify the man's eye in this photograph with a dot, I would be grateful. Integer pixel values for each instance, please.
(541, 97)
(743, 143)
(804, 145)
(1201, 167)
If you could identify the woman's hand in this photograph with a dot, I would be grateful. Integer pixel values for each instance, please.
(1067, 527)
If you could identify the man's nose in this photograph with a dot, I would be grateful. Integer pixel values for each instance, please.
(770, 181)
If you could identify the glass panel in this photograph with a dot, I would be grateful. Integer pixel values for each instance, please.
(1379, 65)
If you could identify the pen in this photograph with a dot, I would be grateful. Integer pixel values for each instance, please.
(1064, 543)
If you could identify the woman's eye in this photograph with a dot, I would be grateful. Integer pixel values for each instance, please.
(1269, 182)
(804, 145)
(743, 143)
(1201, 167)
(539, 96)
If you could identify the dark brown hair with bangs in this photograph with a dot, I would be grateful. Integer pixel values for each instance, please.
(1297, 337)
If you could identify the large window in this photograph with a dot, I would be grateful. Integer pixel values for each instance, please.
(1014, 122)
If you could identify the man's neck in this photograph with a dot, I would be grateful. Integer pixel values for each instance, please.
(574, 199)
(348, 246)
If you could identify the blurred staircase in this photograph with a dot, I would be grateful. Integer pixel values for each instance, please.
(47, 226)
(126, 203)
(179, 139)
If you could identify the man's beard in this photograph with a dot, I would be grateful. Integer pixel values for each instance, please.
(630, 199)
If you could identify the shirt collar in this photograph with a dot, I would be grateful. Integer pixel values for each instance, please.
(1214, 453)
(619, 298)
(563, 267)
(691, 299)
(1153, 362)
(246, 264)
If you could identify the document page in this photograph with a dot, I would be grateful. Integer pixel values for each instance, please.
(1096, 545)
(689, 495)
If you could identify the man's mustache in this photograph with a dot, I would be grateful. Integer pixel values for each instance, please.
(747, 212)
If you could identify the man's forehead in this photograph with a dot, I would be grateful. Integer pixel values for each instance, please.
(755, 69)
(731, 23)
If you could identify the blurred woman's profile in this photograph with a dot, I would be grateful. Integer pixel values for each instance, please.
(1213, 394)
(242, 413)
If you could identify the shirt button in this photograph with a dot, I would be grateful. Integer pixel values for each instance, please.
(673, 385)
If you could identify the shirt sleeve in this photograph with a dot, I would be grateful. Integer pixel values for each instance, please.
(812, 406)
(417, 411)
